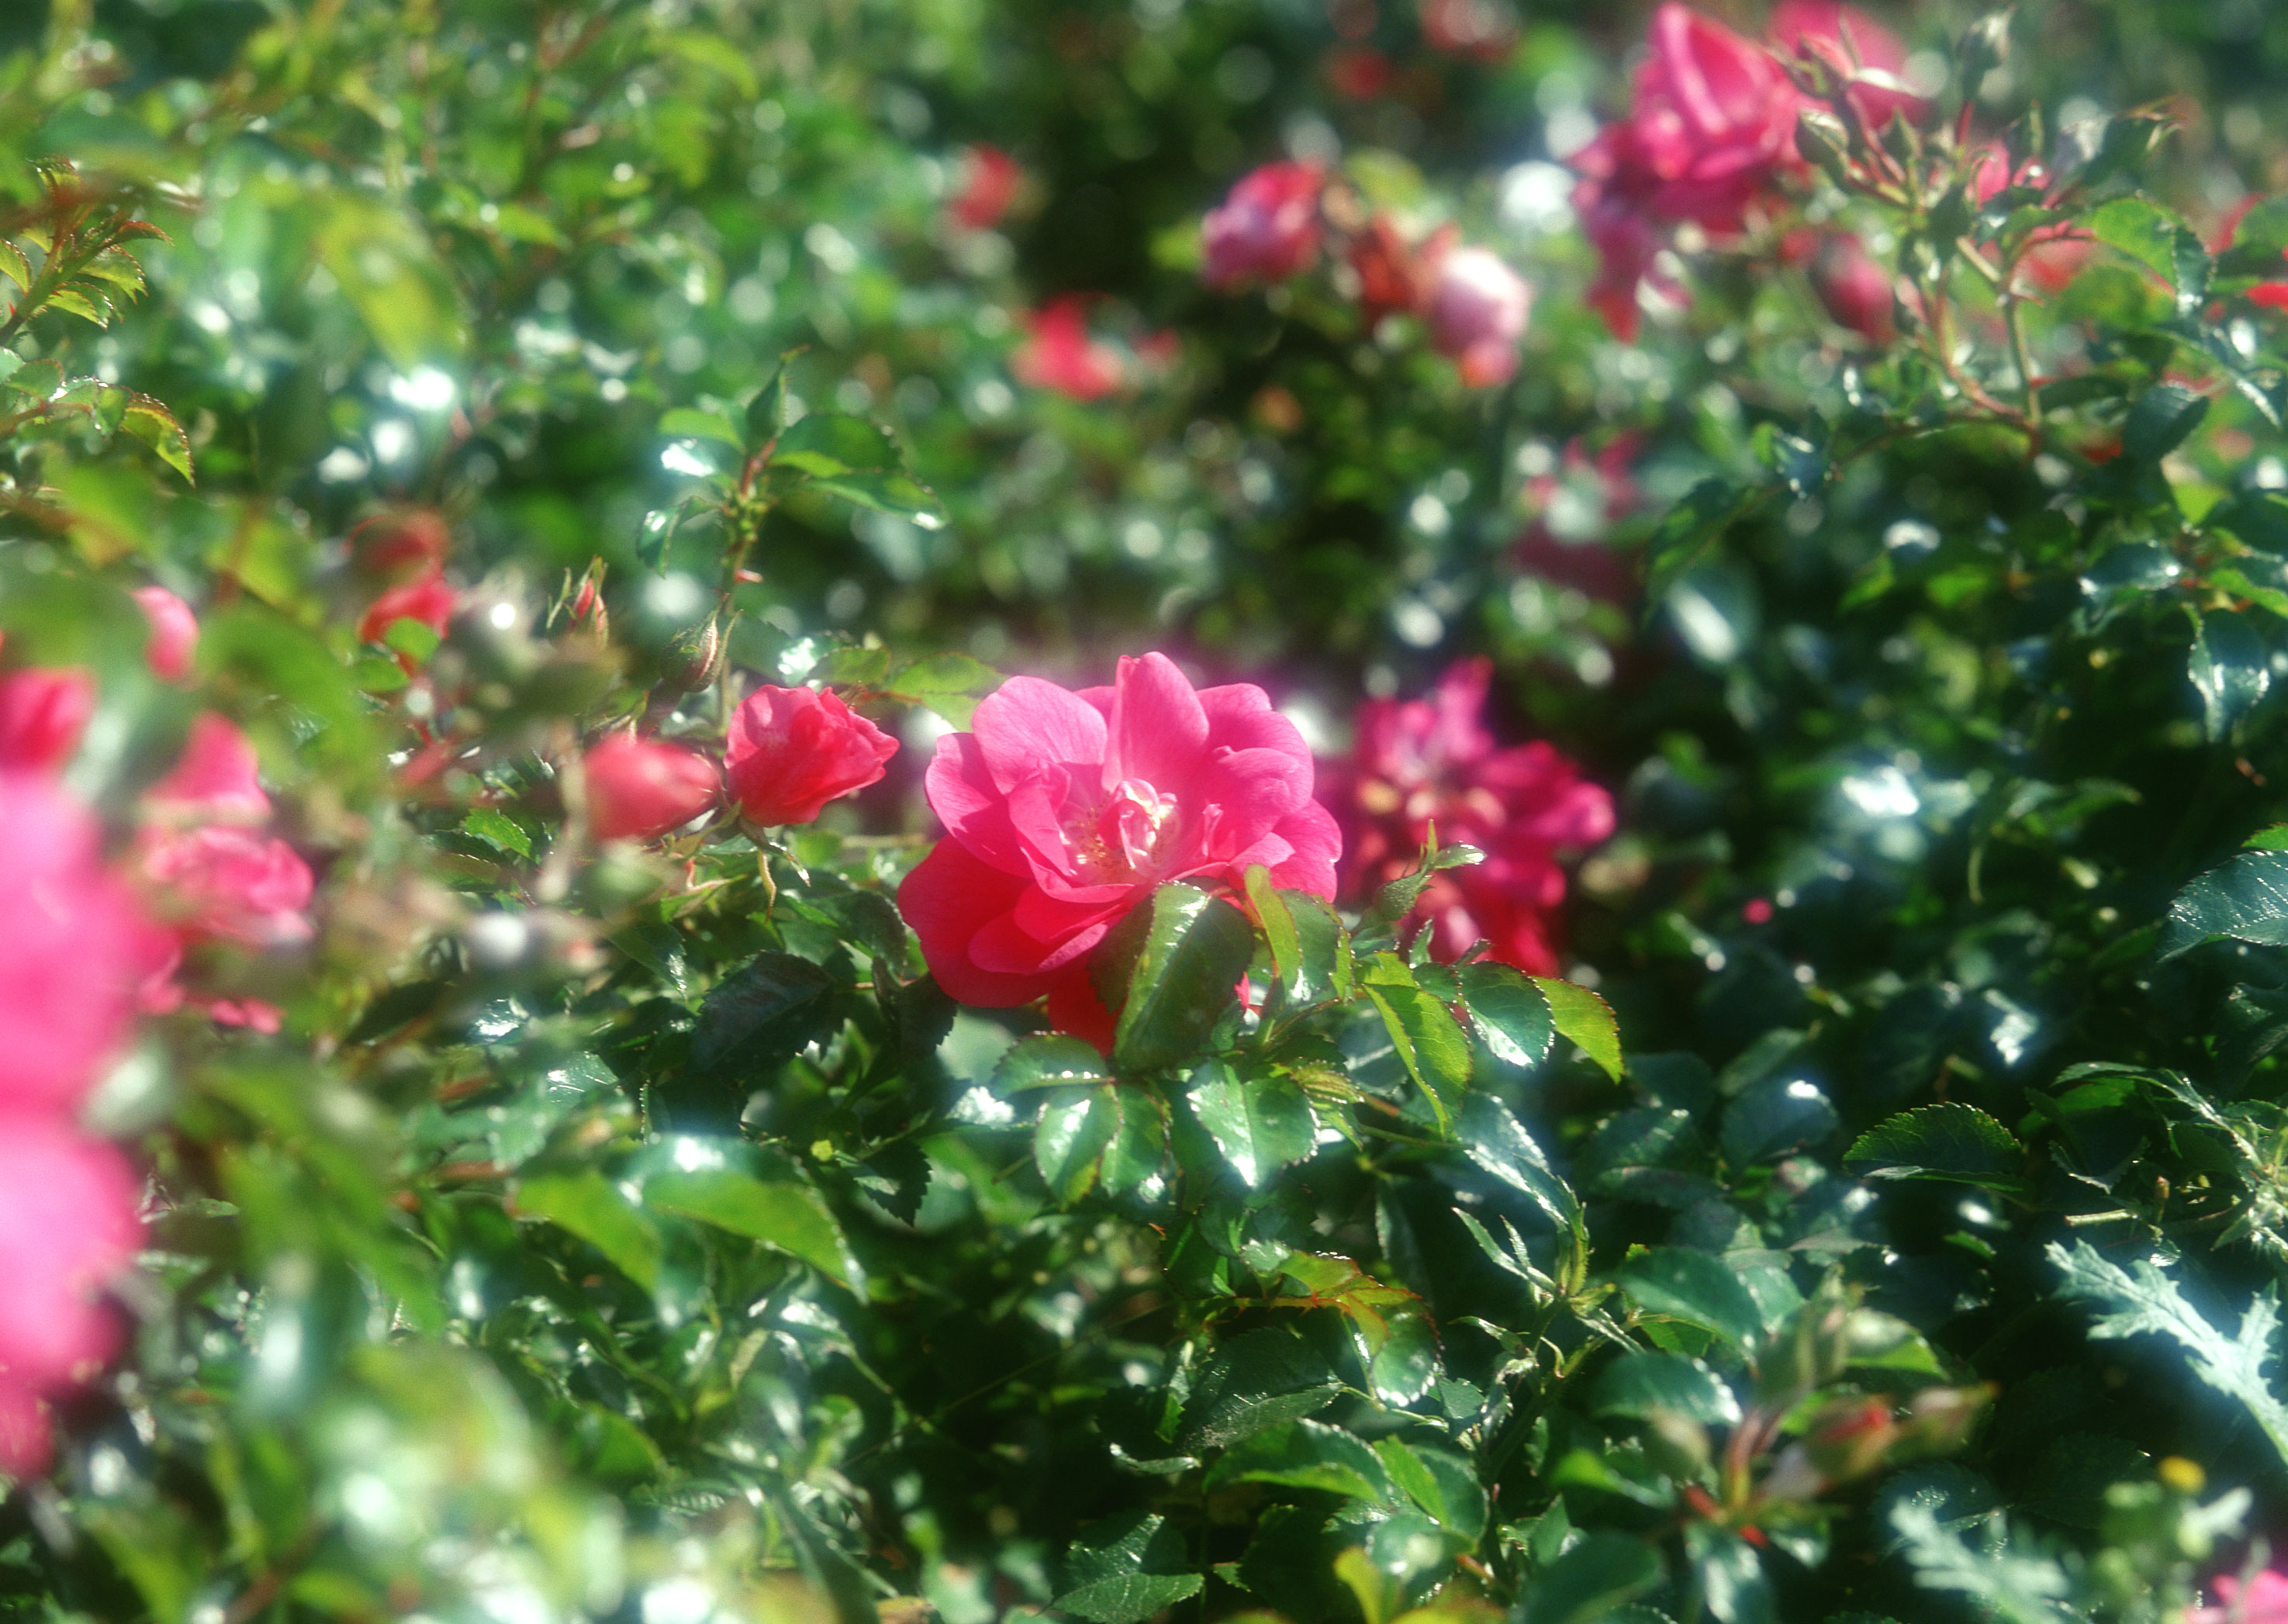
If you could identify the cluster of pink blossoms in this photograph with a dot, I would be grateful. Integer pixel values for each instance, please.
(790, 751)
(1271, 227)
(1710, 132)
(1421, 765)
(83, 941)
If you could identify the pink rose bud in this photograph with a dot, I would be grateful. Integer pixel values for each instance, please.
(640, 788)
(990, 179)
(794, 749)
(1866, 55)
(41, 714)
(73, 950)
(68, 1229)
(1063, 810)
(225, 882)
(1856, 289)
(174, 632)
(213, 780)
(1266, 230)
(430, 600)
(1477, 313)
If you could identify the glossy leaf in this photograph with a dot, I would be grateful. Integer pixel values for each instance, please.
(1954, 1142)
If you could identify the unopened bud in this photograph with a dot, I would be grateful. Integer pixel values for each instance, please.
(693, 658)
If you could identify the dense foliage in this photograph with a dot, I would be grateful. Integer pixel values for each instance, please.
(1369, 811)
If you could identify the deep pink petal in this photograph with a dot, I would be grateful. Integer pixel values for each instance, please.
(974, 809)
(1317, 840)
(1158, 729)
(1027, 723)
(949, 893)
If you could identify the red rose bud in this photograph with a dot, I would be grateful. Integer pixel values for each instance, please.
(990, 180)
(1854, 287)
(1478, 309)
(416, 543)
(41, 714)
(794, 749)
(1866, 55)
(174, 632)
(640, 788)
(430, 601)
(1266, 230)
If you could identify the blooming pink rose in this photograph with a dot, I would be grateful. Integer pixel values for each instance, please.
(174, 632)
(67, 1228)
(213, 780)
(990, 182)
(1856, 289)
(72, 948)
(1714, 119)
(1266, 230)
(2265, 1600)
(428, 599)
(1477, 312)
(794, 749)
(1431, 761)
(43, 713)
(224, 882)
(639, 788)
(1058, 352)
(1063, 810)
(1867, 56)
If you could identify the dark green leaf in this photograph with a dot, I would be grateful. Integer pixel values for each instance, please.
(782, 1213)
(1050, 1061)
(1306, 1455)
(2245, 898)
(1189, 951)
(2159, 420)
(1257, 1380)
(2231, 671)
(1590, 1581)
(1774, 1116)
(1423, 1030)
(826, 444)
(1511, 1013)
(760, 1014)
(1697, 1288)
(1260, 1123)
(1585, 1019)
(1953, 1142)
(1639, 1382)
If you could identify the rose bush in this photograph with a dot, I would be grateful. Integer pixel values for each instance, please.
(1345, 813)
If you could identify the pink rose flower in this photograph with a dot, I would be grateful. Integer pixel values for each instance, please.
(1431, 761)
(174, 632)
(1477, 312)
(67, 1228)
(213, 780)
(639, 788)
(990, 179)
(1714, 119)
(2264, 1602)
(222, 881)
(794, 749)
(1063, 810)
(1867, 56)
(1058, 355)
(428, 599)
(43, 713)
(72, 949)
(1856, 289)
(1266, 230)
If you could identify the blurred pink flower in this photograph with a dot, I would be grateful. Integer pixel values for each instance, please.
(1484, 29)
(1064, 810)
(1266, 230)
(990, 179)
(1574, 508)
(2264, 1602)
(640, 788)
(794, 749)
(1477, 313)
(428, 599)
(213, 780)
(67, 1228)
(174, 632)
(72, 949)
(1058, 353)
(1853, 285)
(1862, 51)
(2055, 254)
(208, 867)
(1426, 762)
(43, 713)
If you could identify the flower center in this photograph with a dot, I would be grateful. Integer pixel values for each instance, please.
(1124, 837)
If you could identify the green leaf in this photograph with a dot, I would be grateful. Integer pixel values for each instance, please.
(1691, 527)
(1327, 965)
(1050, 1060)
(2231, 670)
(1773, 1117)
(1278, 925)
(2159, 420)
(1733, 1585)
(1511, 1013)
(1423, 1030)
(1308, 1455)
(1259, 1123)
(498, 830)
(783, 1214)
(690, 423)
(1494, 1139)
(1256, 1380)
(825, 444)
(1111, 1134)
(765, 413)
(2152, 235)
(1395, 900)
(885, 493)
(1585, 1019)
(2141, 1300)
(1125, 1568)
(155, 426)
(1185, 952)
(86, 306)
(1641, 1383)
(1697, 1288)
(1601, 1573)
(590, 1206)
(950, 684)
(760, 1014)
(1441, 1484)
(2004, 1584)
(14, 266)
(1953, 1142)
(2245, 898)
